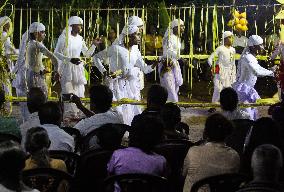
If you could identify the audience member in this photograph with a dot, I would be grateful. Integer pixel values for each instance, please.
(264, 131)
(35, 99)
(145, 133)
(229, 105)
(37, 144)
(214, 157)
(266, 164)
(171, 117)
(101, 101)
(7, 124)
(12, 162)
(50, 116)
(156, 98)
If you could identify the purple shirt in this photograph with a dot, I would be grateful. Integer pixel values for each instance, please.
(134, 160)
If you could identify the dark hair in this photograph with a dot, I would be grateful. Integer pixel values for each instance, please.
(170, 115)
(145, 132)
(217, 128)
(267, 161)
(37, 144)
(109, 136)
(101, 97)
(12, 160)
(50, 113)
(35, 99)
(2, 97)
(157, 95)
(229, 99)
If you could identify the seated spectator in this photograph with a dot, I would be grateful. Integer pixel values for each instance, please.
(266, 164)
(37, 144)
(229, 105)
(7, 124)
(214, 157)
(146, 132)
(35, 99)
(171, 117)
(156, 98)
(101, 101)
(12, 162)
(264, 131)
(109, 137)
(50, 116)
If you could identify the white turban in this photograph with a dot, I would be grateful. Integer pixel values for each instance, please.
(75, 20)
(255, 40)
(227, 34)
(176, 22)
(4, 20)
(130, 29)
(134, 20)
(36, 27)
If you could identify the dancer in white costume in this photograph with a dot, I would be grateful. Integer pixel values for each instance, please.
(169, 69)
(9, 49)
(35, 50)
(140, 66)
(247, 73)
(225, 68)
(123, 60)
(71, 69)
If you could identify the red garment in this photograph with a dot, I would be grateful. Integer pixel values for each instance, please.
(216, 70)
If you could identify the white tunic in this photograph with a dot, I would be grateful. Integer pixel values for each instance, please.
(8, 48)
(240, 41)
(172, 79)
(72, 76)
(249, 70)
(227, 69)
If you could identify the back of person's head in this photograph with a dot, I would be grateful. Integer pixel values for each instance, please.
(278, 114)
(217, 128)
(12, 160)
(170, 115)
(157, 96)
(109, 136)
(145, 132)
(50, 113)
(35, 99)
(229, 99)
(266, 162)
(265, 131)
(37, 144)
(101, 98)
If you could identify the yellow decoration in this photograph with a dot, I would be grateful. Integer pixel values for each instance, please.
(280, 15)
(230, 23)
(239, 27)
(237, 14)
(244, 28)
(237, 21)
(243, 15)
(243, 21)
(280, 1)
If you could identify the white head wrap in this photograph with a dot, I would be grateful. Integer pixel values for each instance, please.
(4, 20)
(255, 40)
(130, 29)
(134, 20)
(225, 35)
(169, 31)
(75, 20)
(176, 22)
(36, 27)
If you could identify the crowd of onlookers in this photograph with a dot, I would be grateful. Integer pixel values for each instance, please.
(231, 142)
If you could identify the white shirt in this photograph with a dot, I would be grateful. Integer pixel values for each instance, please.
(8, 46)
(35, 51)
(32, 121)
(87, 125)
(60, 140)
(172, 47)
(226, 57)
(240, 41)
(236, 114)
(4, 189)
(249, 70)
